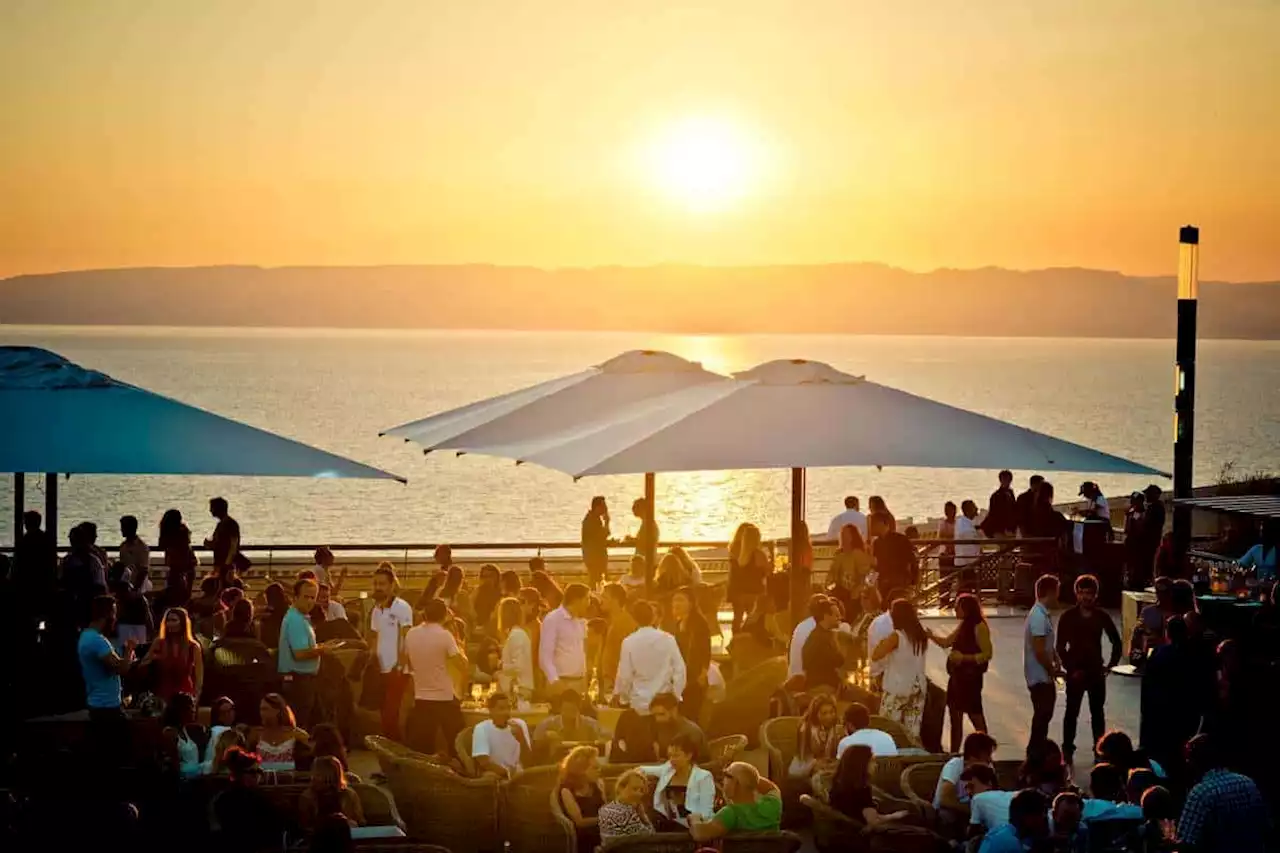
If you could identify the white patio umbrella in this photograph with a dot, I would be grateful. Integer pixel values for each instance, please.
(527, 421)
(800, 414)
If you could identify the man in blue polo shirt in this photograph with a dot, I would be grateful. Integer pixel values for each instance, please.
(101, 668)
(299, 656)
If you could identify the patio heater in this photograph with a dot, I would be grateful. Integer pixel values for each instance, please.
(1184, 392)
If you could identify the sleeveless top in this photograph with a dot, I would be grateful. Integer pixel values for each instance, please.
(278, 756)
(189, 765)
(904, 668)
(967, 644)
(176, 669)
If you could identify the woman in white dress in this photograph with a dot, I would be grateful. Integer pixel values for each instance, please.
(516, 676)
(903, 654)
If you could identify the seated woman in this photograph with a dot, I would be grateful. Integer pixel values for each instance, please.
(816, 741)
(1043, 768)
(851, 793)
(582, 795)
(326, 741)
(682, 788)
(328, 794)
(182, 738)
(177, 660)
(1116, 747)
(215, 756)
(671, 575)
(626, 815)
(276, 741)
(248, 819)
(635, 580)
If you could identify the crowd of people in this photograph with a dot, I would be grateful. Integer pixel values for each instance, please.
(643, 643)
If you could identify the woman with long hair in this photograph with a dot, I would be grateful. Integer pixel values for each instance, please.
(671, 575)
(749, 567)
(509, 583)
(851, 563)
(547, 588)
(328, 794)
(516, 678)
(1265, 556)
(175, 541)
(177, 658)
(215, 755)
(816, 740)
(451, 593)
(691, 568)
(851, 792)
(903, 653)
(626, 815)
(1044, 768)
(182, 737)
(277, 601)
(970, 654)
(326, 740)
(682, 787)
(276, 740)
(582, 795)
(693, 636)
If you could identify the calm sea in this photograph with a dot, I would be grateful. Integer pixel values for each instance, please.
(337, 389)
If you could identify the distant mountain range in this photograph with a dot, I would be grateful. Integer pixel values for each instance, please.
(830, 298)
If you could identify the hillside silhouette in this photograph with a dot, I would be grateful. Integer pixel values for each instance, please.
(833, 298)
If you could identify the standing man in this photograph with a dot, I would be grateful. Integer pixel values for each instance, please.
(1026, 505)
(562, 649)
(225, 541)
(966, 530)
(298, 660)
(101, 668)
(1079, 647)
(134, 553)
(646, 539)
(434, 658)
(650, 664)
(896, 564)
(390, 621)
(1040, 660)
(851, 515)
(595, 541)
(1002, 509)
(1096, 503)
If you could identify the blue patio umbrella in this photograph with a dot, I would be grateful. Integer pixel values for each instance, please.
(56, 416)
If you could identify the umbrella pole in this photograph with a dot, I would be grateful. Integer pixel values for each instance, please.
(800, 575)
(51, 505)
(19, 496)
(651, 551)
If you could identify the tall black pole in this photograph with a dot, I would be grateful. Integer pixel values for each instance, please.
(799, 580)
(19, 504)
(51, 506)
(1184, 401)
(650, 500)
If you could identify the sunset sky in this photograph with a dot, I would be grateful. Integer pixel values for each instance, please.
(918, 133)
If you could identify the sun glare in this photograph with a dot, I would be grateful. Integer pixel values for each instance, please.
(704, 163)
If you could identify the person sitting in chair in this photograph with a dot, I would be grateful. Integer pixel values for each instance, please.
(752, 804)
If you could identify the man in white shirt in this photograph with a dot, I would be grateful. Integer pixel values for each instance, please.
(951, 797)
(988, 805)
(501, 745)
(650, 663)
(1097, 503)
(434, 658)
(851, 515)
(562, 650)
(857, 720)
(819, 604)
(332, 609)
(967, 531)
(390, 621)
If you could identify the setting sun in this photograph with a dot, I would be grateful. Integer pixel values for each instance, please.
(705, 163)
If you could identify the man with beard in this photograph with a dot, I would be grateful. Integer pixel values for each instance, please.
(101, 669)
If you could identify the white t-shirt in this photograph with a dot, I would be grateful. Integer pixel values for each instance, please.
(795, 653)
(990, 809)
(966, 554)
(322, 574)
(881, 743)
(1099, 508)
(880, 627)
(500, 745)
(849, 516)
(951, 773)
(387, 622)
(335, 610)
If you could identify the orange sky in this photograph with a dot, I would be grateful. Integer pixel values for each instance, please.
(920, 133)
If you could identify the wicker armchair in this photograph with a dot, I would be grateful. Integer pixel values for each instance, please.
(779, 739)
(746, 703)
(462, 744)
(387, 751)
(682, 842)
(724, 751)
(919, 781)
(833, 831)
(889, 770)
(378, 808)
(902, 738)
(525, 822)
(447, 809)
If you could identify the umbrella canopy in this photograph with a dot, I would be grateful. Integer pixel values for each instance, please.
(57, 416)
(802, 414)
(526, 421)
